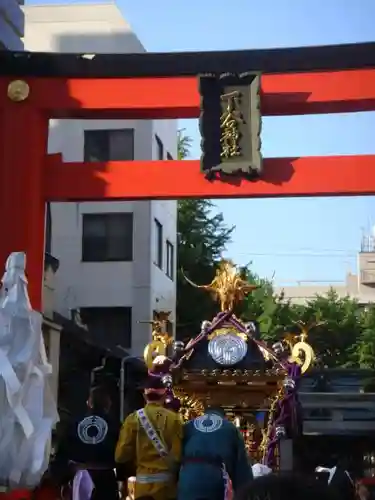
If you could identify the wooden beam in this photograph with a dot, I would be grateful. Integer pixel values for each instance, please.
(318, 93)
(281, 60)
(295, 94)
(311, 176)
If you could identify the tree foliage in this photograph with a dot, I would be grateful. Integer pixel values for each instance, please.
(271, 311)
(344, 335)
(339, 321)
(184, 143)
(363, 351)
(345, 331)
(202, 238)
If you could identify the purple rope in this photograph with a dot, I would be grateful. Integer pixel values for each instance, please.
(286, 414)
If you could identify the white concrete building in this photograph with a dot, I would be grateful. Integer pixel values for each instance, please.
(11, 24)
(117, 259)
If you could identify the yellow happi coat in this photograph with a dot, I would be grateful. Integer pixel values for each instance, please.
(135, 447)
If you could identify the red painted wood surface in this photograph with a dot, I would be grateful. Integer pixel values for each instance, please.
(24, 131)
(310, 176)
(291, 94)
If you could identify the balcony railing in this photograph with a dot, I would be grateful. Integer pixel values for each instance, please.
(368, 244)
(368, 278)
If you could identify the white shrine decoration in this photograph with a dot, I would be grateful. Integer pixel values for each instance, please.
(27, 408)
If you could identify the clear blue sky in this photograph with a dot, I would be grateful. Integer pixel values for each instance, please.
(299, 239)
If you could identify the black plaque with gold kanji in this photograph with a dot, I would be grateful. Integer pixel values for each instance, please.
(230, 125)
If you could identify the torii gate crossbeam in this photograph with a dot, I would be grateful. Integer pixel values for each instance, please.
(35, 87)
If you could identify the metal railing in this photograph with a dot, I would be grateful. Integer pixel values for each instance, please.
(368, 277)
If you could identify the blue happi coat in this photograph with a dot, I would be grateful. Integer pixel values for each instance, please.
(210, 441)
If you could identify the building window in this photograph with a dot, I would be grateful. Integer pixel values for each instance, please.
(160, 148)
(107, 237)
(109, 326)
(170, 260)
(169, 156)
(158, 244)
(109, 145)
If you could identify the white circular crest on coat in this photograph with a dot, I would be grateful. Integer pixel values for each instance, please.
(92, 430)
(208, 423)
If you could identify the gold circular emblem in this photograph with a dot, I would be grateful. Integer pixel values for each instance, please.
(18, 90)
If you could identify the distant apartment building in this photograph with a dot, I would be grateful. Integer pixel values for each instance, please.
(117, 259)
(11, 24)
(359, 286)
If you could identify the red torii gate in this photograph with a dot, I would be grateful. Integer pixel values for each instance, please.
(35, 87)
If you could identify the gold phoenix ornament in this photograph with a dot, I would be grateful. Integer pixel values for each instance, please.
(228, 288)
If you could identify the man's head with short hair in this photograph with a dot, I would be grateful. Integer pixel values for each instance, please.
(154, 390)
(99, 399)
(216, 409)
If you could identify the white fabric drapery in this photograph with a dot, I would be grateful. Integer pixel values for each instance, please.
(27, 408)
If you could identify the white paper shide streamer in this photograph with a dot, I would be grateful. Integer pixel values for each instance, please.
(260, 470)
(27, 408)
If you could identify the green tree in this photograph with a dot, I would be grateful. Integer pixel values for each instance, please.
(344, 334)
(184, 143)
(339, 327)
(202, 238)
(273, 312)
(363, 351)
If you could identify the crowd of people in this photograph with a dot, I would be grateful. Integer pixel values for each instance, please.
(166, 459)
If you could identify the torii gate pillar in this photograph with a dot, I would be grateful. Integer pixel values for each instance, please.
(23, 146)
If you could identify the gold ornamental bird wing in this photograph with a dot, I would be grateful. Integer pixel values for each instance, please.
(205, 287)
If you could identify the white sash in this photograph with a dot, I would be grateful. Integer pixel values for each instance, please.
(152, 434)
